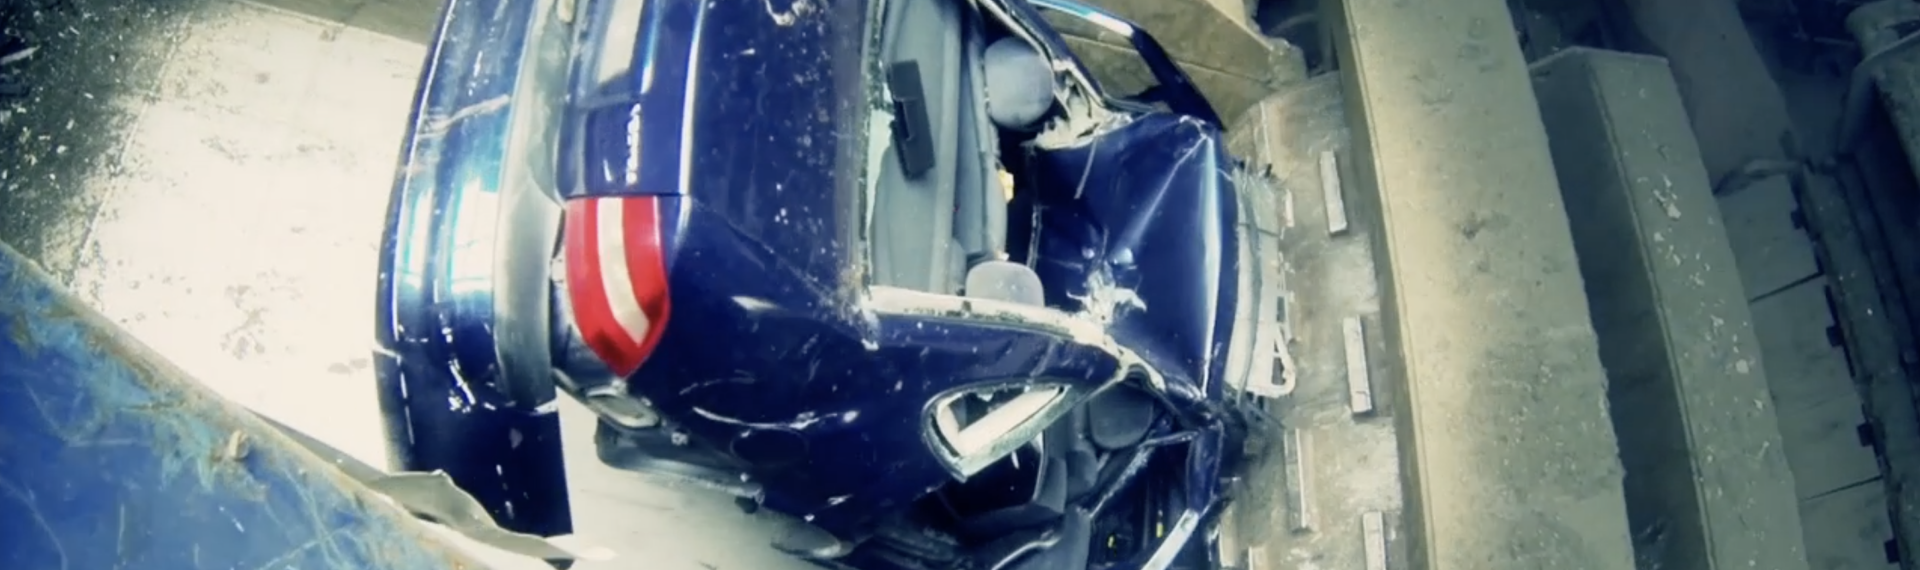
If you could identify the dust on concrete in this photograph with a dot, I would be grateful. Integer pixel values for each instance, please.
(63, 119)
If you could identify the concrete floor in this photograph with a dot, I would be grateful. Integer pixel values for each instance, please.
(1324, 491)
(212, 175)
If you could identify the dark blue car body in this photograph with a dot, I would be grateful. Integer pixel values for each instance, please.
(808, 383)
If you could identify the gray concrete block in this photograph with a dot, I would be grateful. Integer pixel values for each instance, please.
(1771, 251)
(1510, 453)
(1820, 409)
(1823, 446)
(1736, 110)
(1121, 72)
(1794, 329)
(1847, 530)
(1230, 61)
(1698, 434)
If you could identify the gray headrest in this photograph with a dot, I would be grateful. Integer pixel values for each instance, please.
(1019, 84)
(1006, 281)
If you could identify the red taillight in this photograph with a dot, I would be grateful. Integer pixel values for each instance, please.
(617, 277)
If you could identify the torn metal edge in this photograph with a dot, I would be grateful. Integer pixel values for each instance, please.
(1359, 379)
(1330, 189)
(1293, 453)
(434, 497)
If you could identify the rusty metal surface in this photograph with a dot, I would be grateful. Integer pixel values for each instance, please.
(211, 175)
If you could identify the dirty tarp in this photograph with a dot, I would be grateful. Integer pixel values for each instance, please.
(111, 458)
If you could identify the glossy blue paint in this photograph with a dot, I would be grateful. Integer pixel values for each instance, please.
(1148, 209)
(750, 122)
(757, 117)
(111, 458)
(461, 320)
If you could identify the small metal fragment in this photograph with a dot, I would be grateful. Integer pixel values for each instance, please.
(17, 56)
(1359, 380)
(1373, 530)
(235, 448)
(1257, 558)
(1293, 453)
(1336, 200)
(1281, 377)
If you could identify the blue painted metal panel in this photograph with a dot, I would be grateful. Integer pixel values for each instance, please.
(464, 376)
(112, 458)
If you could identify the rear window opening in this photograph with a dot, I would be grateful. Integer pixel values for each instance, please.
(963, 97)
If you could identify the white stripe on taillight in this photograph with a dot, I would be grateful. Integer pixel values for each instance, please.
(615, 278)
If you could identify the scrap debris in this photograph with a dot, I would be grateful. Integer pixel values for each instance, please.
(18, 56)
(11, 86)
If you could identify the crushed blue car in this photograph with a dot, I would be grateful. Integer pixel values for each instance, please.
(899, 269)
